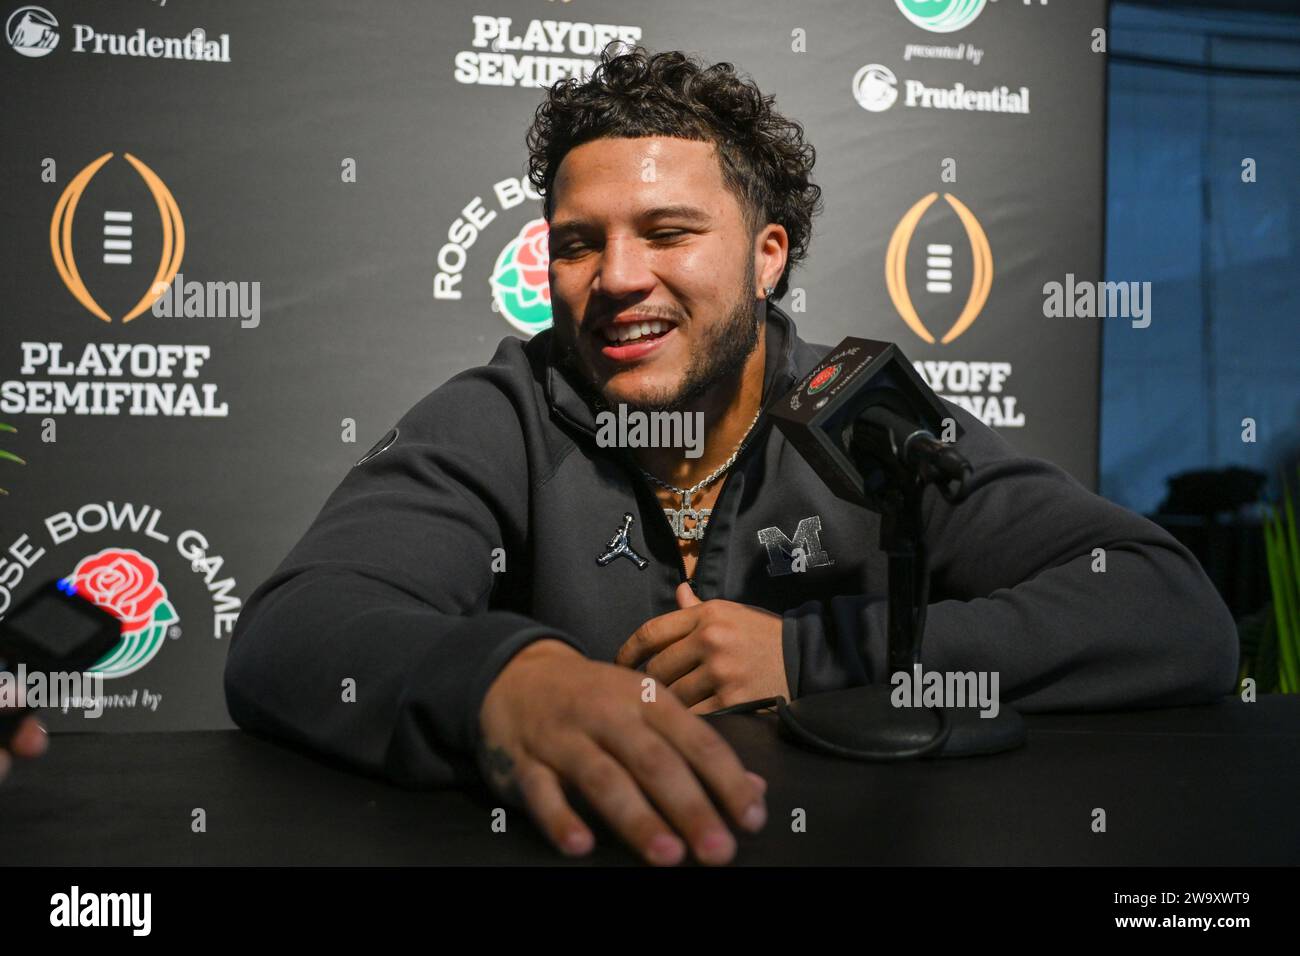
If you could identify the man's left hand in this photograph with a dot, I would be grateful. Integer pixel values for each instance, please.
(711, 654)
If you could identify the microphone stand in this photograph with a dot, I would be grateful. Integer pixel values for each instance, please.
(898, 460)
(904, 458)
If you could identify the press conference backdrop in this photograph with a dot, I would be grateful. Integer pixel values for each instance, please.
(333, 196)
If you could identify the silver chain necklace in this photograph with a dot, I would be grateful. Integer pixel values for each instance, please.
(700, 517)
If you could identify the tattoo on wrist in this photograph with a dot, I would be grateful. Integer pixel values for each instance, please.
(498, 769)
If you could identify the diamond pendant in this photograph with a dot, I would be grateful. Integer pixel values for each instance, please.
(678, 518)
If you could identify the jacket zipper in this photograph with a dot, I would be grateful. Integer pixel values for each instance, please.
(681, 562)
(677, 549)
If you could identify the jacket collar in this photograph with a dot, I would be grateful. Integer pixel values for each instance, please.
(568, 400)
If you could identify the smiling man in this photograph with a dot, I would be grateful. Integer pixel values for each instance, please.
(499, 594)
(655, 298)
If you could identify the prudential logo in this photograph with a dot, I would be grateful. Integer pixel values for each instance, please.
(941, 16)
(32, 31)
(875, 87)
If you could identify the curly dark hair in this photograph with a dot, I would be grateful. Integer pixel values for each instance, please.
(765, 161)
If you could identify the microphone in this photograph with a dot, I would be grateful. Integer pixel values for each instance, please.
(879, 433)
(867, 423)
(55, 629)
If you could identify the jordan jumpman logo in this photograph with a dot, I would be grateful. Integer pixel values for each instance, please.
(619, 548)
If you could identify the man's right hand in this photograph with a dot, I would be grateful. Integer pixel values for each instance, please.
(554, 719)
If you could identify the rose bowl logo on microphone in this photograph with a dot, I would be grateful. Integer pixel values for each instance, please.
(823, 378)
(125, 582)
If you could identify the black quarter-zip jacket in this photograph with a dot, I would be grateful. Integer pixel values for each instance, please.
(398, 585)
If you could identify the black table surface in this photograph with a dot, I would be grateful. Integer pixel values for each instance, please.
(1213, 785)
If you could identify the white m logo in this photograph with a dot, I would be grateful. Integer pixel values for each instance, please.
(781, 550)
